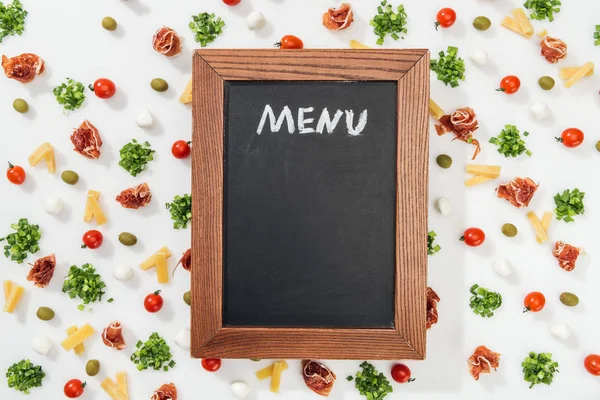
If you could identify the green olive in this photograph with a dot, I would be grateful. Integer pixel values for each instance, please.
(160, 85)
(444, 161)
(21, 106)
(569, 299)
(509, 230)
(127, 239)
(482, 23)
(255, 359)
(69, 177)
(187, 297)
(45, 313)
(598, 145)
(109, 23)
(92, 367)
(546, 82)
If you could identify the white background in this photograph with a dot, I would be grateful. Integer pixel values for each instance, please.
(68, 36)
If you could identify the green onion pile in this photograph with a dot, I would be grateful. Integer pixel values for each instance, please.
(542, 9)
(371, 383)
(70, 94)
(431, 248)
(539, 368)
(483, 302)
(569, 204)
(135, 157)
(509, 142)
(12, 19)
(24, 375)
(206, 27)
(387, 22)
(154, 353)
(181, 210)
(449, 68)
(24, 240)
(84, 283)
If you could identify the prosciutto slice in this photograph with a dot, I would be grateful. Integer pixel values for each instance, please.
(518, 192)
(186, 261)
(566, 255)
(462, 122)
(42, 270)
(86, 140)
(432, 313)
(23, 67)
(168, 391)
(482, 361)
(135, 197)
(553, 49)
(112, 336)
(337, 19)
(167, 42)
(317, 377)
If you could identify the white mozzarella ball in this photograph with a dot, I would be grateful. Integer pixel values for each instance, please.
(561, 331)
(144, 119)
(123, 272)
(255, 20)
(503, 268)
(539, 110)
(240, 390)
(183, 338)
(41, 345)
(479, 57)
(443, 206)
(53, 205)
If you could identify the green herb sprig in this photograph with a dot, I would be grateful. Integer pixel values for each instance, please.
(449, 67)
(181, 210)
(542, 9)
(431, 248)
(371, 383)
(154, 353)
(24, 375)
(135, 157)
(24, 240)
(206, 27)
(84, 283)
(569, 204)
(12, 19)
(70, 94)
(387, 22)
(483, 302)
(597, 36)
(539, 368)
(509, 142)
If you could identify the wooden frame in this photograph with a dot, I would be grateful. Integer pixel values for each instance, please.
(410, 68)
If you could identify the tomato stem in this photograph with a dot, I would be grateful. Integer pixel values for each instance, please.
(437, 24)
(189, 142)
(91, 87)
(83, 246)
(526, 310)
(559, 140)
(462, 239)
(411, 380)
(157, 292)
(84, 384)
(10, 166)
(500, 90)
(277, 44)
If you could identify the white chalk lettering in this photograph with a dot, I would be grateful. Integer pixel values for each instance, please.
(286, 114)
(362, 122)
(302, 128)
(326, 122)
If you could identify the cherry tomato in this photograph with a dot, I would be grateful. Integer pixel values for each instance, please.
(534, 302)
(153, 302)
(211, 364)
(401, 373)
(232, 2)
(509, 84)
(571, 137)
(290, 42)
(104, 88)
(74, 388)
(473, 237)
(592, 364)
(181, 149)
(445, 18)
(15, 174)
(92, 239)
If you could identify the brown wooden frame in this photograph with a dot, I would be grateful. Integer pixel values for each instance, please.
(410, 68)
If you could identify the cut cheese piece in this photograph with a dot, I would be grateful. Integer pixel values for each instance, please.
(477, 180)
(435, 110)
(537, 226)
(543, 33)
(122, 383)
(112, 389)
(276, 377)
(186, 96)
(40, 154)
(162, 270)
(14, 296)
(93, 209)
(491, 171)
(51, 162)
(523, 21)
(153, 259)
(79, 349)
(8, 287)
(510, 23)
(546, 219)
(568, 72)
(267, 372)
(358, 45)
(77, 337)
(581, 72)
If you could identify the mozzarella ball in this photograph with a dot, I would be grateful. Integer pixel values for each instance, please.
(503, 268)
(183, 339)
(53, 205)
(123, 273)
(443, 206)
(255, 20)
(144, 119)
(561, 331)
(539, 110)
(41, 345)
(479, 57)
(240, 390)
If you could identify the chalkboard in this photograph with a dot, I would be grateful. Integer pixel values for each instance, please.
(310, 216)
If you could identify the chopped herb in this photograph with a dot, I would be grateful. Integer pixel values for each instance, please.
(154, 353)
(135, 157)
(597, 36)
(542, 9)
(349, 378)
(84, 283)
(431, 249)
(181, 210)
(387, 22)
(24, 375)
(449, 68)
(12, 19)
(484, 302)
(110, 300)
(509, 142)
(70, 94)
(569, 204)
(206, 27)
(539, 368)
(371, 383)
(24, 240)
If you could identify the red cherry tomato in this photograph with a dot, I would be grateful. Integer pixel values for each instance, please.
(92, 239)
(104, 88)
(15, 174)
(401, 373)
(232, 2)
(290, 42)
(74, 388)
(473, 237)
(509, 84)
(153, 302)
(571, 137)
(211, 364)
(592, 364)
(445, 18)
(181, 149)
(534, 302)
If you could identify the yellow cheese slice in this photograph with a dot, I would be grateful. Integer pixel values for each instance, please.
(523, 21)
(14, 297)
(568, 72)
(122, 383)
(8, 287)
(93, 209)
(491, 171)
(87, 215)
(546, 219)
(40, 154)
(79, 349)
(276, 378)
(435, 110)
(112, 389)
(537, 226)
(477, 180)
(543, 33)
(186, 96)
(358, 45)
(510, 23)
(77, 337)
(581, 72)
(162, 270)
(267, 372)
(51, 162)
(153, 259)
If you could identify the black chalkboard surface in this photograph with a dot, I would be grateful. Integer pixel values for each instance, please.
(309, 213)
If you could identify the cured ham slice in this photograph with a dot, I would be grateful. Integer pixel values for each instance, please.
(168, 391)
(86, 140)
(42, 270)
(553, 49)
(337, 19)
(135, 197)
(112, 336)
(23, 67)
(432, 313)
(167, 42)
(317, 377)
(462, 122)
(518, 192)
(566, 255)
(186, 260)
(482, 361)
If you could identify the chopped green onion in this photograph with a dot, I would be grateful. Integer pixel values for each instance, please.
(387, 22)
(509, 142)
(449, 68)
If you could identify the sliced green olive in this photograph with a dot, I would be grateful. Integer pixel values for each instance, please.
(546, 82)
(482, 23)
(92, 367)
(20, 106)
(159, 84)
(127, 239)
(109, 23)
(444, 161)
(509, 230)
(69, 177)
(569, 299)
(45, 313)
(187, 297)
